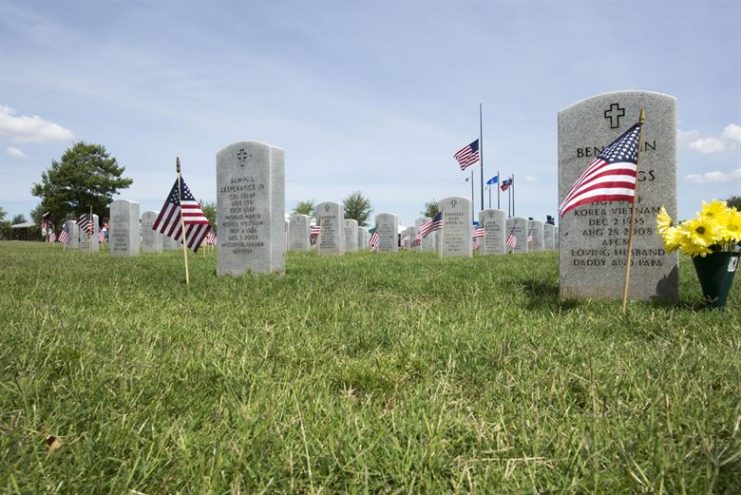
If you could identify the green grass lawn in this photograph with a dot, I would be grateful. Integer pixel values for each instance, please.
(361, 374)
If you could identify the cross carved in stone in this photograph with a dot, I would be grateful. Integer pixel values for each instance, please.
(242, 156)
(614, 113)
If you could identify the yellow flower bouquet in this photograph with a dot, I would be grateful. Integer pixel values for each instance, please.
(717, 228)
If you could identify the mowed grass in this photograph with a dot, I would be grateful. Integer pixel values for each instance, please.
(360, 374)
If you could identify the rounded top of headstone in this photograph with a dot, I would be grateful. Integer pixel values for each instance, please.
(246, 145)
(454, 202)
(633, 93)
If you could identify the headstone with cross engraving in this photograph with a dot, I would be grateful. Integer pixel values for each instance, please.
(457, 229)
(250, 201)
(535, 233)
(548, 237)
(331, 218)
(387, 227)
(298, 233)
(124, 230)
(593, 238)
(151, 239)
(517, 227)
(492, 221)
(351, 235)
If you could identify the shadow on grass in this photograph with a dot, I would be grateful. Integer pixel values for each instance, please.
(544, 295)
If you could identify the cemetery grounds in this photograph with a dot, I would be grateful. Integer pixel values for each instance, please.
(363, 373)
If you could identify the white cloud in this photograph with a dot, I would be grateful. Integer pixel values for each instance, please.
(732, 132)
(15, 152)
(727, 141)
(714, 177)
(708, 146)
(25, 129)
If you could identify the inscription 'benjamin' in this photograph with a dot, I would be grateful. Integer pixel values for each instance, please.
(589, 151)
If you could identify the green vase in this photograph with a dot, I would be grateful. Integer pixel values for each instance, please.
(715, 272)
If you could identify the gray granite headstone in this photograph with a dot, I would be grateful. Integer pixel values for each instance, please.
(457, 229)
(351, 235)
(387, 226)
(85, 239)
(124, 232)
(151, 239)
(593, 240)
(492, 221)
(556, 239)
(298, 233)
(407, 238)
(331, 218)
(549, 243)
(74, 234)
(426, 243)
(250, 205)
(518, 226)
(170, 244)
(535, 228)
(362, 239)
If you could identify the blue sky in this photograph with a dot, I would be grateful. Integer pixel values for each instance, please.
(368, 96)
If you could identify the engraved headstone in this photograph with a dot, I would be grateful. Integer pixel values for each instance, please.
(457, 230)
(151, 239)
(387, 227)
(593, 241)
(86, 240)
(351, 235)
(74, 234)
(362, 239)
(298, 233)
(492, 221)
(535, 229)
(549, 243)
(331, 218)
(250, 205)
(124, 232)
(426, 243)
(518, 227)
(407, 238)
(170, 244)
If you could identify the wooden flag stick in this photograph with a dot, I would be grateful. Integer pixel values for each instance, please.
(92, 226)
(629, 260)
(182, 221)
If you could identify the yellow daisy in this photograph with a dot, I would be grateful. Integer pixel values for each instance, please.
(732, 226)
(672, 237)
(702, 231)
(715, 210)
(663, 220)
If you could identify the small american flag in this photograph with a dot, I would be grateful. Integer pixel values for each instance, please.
(314, 232)
(64, 236)
(479, 232)
(211, 239)
(468, 155)
(85, 222)
(530, 234)
(196, 223)
(431, 225)
(102, 234)
(512, 238)
(609, 177)
(417, 240)
(375, 238)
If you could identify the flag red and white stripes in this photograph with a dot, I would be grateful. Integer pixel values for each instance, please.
(314, 232)
(168, 221)
(431, 225)
(64, 236)
(375, 239)
(468, 155)
(511, 241)
(609, 177)
(479, 232)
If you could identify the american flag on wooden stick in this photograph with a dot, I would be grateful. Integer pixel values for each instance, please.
(479, 232)
(314, 232)
(85, 222)
(609, 177)
(468, 155)
(375, 238)
(431, 225)
(196, 223)
(64, 236)
(512, 238)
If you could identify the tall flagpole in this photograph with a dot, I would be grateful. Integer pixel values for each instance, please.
(513, 194)
(629, 260)
(499, 183)
(472, 199)
(182, 220)
(481, 152)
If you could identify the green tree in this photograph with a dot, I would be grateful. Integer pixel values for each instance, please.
(85, 176)
(209, 209)
(4, 225)
(357, 207)
(735, 202)
(18, 219)
(432, 208)
(2, 213)
(305, 208)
